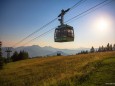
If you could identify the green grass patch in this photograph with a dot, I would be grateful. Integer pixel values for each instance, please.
(103, 75)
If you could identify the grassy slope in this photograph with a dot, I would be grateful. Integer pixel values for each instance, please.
(104, 74)
(81, 70)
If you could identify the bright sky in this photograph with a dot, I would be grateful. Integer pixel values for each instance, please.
(19, 18)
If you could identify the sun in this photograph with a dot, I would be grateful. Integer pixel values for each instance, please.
(102, 24)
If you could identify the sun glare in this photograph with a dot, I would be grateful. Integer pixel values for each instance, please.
(102, 24)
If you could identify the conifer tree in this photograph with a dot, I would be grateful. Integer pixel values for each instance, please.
(99, 49)
(1, 58)
(114, 47)
(108, 47)
(1, 62)
(102, 48)
(14, 57)
(92, 50)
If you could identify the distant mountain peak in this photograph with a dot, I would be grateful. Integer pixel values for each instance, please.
(35, 46)
(47, 47)
(36, 50)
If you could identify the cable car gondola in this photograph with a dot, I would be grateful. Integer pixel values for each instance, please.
(64, 32)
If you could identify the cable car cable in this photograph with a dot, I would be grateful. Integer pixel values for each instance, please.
(87, 10)
(69, 20)
(35, 32)
(94, 9)
(38, 36)
(78, 3)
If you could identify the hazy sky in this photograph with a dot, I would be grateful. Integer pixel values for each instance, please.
(19, 18)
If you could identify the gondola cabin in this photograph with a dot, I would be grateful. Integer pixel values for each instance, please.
(64, 32)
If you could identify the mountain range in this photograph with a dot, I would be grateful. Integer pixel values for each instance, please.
(36, 50)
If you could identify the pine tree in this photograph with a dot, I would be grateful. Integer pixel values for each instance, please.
(102, 48)
(1, 62)
(108, 47)
(99, 49)
(86, 52)
(114, 47)
(14, 57)
(1, 58)
(92, 50)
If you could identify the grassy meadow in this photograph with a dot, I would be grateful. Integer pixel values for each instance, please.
(94, 69)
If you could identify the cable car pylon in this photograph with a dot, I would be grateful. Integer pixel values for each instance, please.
(8, 51)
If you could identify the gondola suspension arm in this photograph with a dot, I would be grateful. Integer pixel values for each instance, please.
(63, 12)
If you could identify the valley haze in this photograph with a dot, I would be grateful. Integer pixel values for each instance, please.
(36, 50)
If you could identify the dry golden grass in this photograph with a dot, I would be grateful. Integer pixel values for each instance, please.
(49, 71)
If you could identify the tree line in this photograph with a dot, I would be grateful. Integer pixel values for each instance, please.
(108, 47)
(15, 57)
(19, 56)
